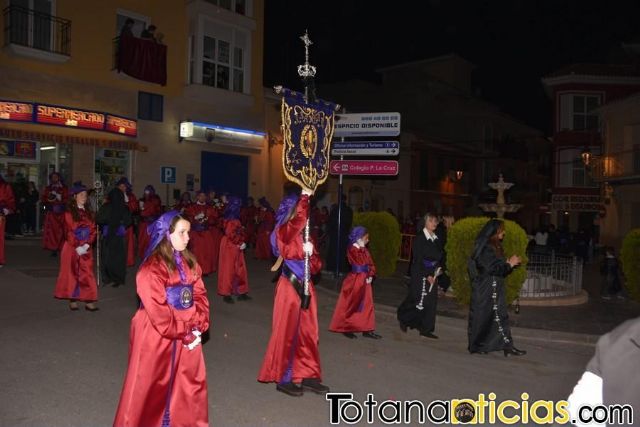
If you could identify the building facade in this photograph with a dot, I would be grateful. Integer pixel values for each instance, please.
(101, 99)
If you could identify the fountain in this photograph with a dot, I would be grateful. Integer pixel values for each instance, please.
(500, 207)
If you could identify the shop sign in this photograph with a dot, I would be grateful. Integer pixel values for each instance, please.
(61, 116)
(577, 202)
(18, 149)
(16, 111)
(121, 125)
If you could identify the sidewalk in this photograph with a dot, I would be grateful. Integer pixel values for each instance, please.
(596, 317)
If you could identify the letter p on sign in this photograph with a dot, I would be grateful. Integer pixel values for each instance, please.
(168, 175)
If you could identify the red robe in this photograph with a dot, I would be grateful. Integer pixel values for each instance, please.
(157, 355)
(53, 232)
(290, 325)
(152, 210)
(354, 309)
(201, 238)
(133, 207)
(263, 244)
(248, 218)
(232, 270)
(76, 279)
(7, 201)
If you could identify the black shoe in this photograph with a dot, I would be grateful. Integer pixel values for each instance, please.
(290, 388)
(371, 335)
(244, 297)
(513, 352)
(429, 335)
(314, 385)
(228, 299)
(403, 327)
(350, 335)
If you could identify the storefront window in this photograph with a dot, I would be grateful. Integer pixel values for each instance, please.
(111, 165)
(55, 158)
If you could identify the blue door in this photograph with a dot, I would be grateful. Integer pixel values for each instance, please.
(225, 173)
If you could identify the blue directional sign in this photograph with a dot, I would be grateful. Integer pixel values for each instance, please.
(365, 148)
(168, 174)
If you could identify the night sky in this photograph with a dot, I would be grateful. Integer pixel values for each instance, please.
(514, 43)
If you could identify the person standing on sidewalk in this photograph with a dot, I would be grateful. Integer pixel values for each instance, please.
(7, 206)
(54, 197)
(166, 379)
(292, 359)
(354, 309)
(76, 281)
(418, 310)
(114, 218)
(232, 269)
(488, 318)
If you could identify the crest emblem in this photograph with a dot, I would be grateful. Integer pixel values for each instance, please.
(186, 297)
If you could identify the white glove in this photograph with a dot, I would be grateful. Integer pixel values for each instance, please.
(80, 250)
(86, 247)
(369, 280)
(58, 197)
(199, 216)
(197, 341)
(126, 198)
(5, 211)
(141, 204)
(307, 248)
(243, 246)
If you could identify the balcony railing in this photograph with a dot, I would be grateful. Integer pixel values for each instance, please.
(616, 166)
(37, 30)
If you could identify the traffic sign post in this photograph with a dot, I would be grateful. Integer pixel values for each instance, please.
(167, 176)
(366, 148)
(364, 167)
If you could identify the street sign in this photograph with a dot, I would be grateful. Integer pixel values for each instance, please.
(365, 148)
(168, 174)
(363, 167)
(367, 124)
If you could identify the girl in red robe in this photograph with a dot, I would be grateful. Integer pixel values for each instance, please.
(7, 206)
(354, 309)
(150, 210)
(76, 280)
(54, 198)
(265, 227)
(202, 218)
(232, 270)
(166, 379)
(292, 359)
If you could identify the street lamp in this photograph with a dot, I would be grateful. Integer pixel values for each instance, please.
(586, 156)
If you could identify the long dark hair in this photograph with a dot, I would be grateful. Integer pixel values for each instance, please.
(164, 250)
(494, 240)
(72, 206)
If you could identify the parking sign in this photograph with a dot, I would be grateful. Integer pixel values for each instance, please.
(168, 174)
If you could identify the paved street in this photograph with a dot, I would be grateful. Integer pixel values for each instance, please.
(63, 368)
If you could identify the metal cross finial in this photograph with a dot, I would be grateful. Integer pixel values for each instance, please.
(306, 70)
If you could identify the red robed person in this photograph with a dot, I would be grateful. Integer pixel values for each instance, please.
(354, 309)
(203, 218)
(267, 221)
(7, 206)
(132, 205)
(232, 269)
(292, 359)
(76, 280)
(248, 219)
(150, 210)
(166, 379)
(54, 197)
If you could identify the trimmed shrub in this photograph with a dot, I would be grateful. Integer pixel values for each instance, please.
(630, 258)
(461, 237)
(384, 239)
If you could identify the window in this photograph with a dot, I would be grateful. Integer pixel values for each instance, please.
(150, 106)
(224, 53)
(32, 23)
(237, 6)
(139, 22)
(577, 112)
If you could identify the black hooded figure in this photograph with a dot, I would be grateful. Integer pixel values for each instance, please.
(488, 318)
(114, 218)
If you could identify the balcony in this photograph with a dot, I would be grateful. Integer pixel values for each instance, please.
(142, 59)
(616, 167)
(36, 34)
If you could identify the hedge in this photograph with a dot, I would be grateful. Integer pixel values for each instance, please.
(384, 239)
(461, 237)
(630, 258)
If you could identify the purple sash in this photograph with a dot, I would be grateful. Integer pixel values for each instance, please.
(180, 296)
(82, 233)
(296, 267)
(429, 264)
(120, 232)
(360, 268)
(58, 208)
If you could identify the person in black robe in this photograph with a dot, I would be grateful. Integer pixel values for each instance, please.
(418, 310)
(340, 239)
(488, 318)
(114, 218)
